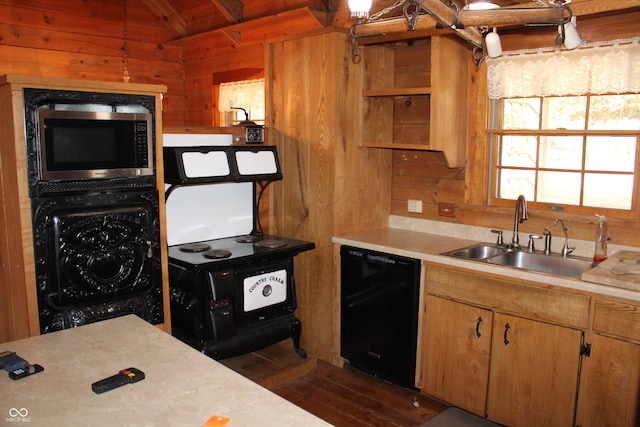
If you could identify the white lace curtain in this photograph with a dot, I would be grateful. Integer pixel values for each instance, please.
(247, 94)
(612, 67)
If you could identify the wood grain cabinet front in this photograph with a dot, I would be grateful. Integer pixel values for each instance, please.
(610, 379)
(456, 352)
(413, 96)
(501, 350)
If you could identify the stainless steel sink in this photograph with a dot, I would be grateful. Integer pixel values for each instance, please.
(480, 251)
(572, 266)
(554, 264)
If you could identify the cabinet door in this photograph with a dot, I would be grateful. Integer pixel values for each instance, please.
(610, 384)
(534, 373)
(456, 353)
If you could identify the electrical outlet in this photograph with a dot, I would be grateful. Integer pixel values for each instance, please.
(446, 209)
(415, 206)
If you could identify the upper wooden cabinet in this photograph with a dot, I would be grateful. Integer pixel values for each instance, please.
(414, 96)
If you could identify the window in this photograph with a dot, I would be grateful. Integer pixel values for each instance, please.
(579, 152)
(573, 150)
(246, 94)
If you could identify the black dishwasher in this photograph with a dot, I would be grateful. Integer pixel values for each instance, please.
(379, 313)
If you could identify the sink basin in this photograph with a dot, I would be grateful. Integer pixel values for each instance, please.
(554, 264)
(481, 251)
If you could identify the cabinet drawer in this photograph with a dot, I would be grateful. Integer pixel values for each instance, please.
(614, 318)
(551, 305)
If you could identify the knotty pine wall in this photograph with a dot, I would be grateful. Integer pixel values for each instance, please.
(72, 39)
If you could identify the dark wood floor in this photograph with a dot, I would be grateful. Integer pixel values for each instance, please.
(341, 396)
(351, 398)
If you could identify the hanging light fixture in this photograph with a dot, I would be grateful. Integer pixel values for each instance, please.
(480, 5)
(570, 38)
(360, 9)
(494, 46)
(125, 60)
(466, 21)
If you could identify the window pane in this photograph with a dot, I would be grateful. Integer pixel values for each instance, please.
(512, 183)
(521, 113)
(620, 112)
(559, 187)
(518, 151)
(611, 153)
(561, 152)
(608, 191)
(568, 112)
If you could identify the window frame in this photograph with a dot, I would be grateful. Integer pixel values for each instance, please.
(495, 134)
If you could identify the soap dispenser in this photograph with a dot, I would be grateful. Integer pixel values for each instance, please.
(600, 252)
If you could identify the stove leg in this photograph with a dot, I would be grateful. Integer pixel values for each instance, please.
(295, 329)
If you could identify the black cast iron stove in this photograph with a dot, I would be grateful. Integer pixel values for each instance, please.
(232, 295)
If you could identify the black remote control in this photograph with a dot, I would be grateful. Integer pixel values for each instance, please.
(125, 376)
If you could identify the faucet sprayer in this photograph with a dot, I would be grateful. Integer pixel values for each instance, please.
(566, 250)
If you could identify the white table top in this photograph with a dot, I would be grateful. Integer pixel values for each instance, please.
(182, 387)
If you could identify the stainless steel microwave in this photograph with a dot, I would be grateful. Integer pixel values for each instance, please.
(75, 145)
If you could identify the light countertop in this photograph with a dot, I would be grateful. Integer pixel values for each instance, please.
(182, 387)
(428, 247)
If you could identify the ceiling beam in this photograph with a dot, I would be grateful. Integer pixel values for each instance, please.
(231, 9)
(170, 17)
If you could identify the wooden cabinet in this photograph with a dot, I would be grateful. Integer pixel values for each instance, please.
(414, 96)
(610, 380)
(456, 354)
(523, 368)
(534, 372)
(19, 316)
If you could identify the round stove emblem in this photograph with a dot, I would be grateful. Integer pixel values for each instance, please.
(266, 291)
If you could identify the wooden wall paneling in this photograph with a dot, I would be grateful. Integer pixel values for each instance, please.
(91, 17)
(14, 265)
(313, 87)
(477, 173)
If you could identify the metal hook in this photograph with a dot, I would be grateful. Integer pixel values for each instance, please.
(477, 59)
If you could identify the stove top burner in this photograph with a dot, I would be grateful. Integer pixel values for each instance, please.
(236, 253)
(195, 247)
(247, 239)
(271, 243)
(217, 254)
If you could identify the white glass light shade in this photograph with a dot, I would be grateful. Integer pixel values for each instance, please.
(360, 8)
(572, 38)
(482, 5)
(494, 46)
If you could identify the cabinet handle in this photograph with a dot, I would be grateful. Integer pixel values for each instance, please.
(506, 331)
(478, 327)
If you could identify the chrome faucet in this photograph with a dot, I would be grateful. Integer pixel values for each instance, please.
(566, 249)
(520, 216)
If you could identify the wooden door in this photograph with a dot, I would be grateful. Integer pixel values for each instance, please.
(534, 373)
(610, 384)
(455, 361)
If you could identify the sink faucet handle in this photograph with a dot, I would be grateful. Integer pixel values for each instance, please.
(531, 247)
(500, 241)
